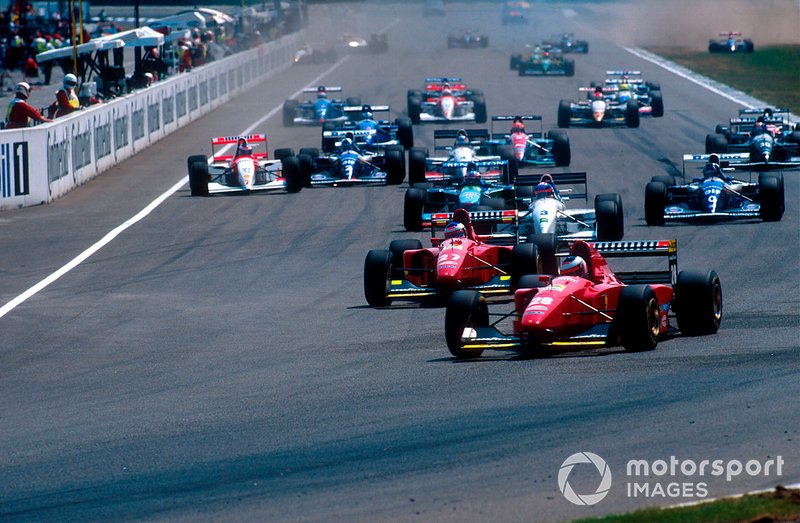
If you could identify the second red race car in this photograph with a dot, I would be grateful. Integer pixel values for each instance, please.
(590, 305)
(460, 260)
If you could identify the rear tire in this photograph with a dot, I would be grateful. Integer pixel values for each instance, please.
(328, 144)
(306, 169)
(377, 268)
(716, 143)
(698, 302)
(506, 152)
(405, 132)
(637, 319)
(414, 109)
(609, 216)
(416, 165)
(465, 309)
(561, 150)
(292, 175)
(525, 259)
(413, 207)
(770, 189)
(394, 166)
(655, 199)
(547, 245)
(564, 113)
(480, 108)
(285, 152)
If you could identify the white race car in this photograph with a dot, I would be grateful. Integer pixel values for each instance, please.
(446, 100)
(245, 169)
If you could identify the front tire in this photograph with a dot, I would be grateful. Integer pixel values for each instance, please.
(289, 111)
(198, 178)
(657, 103)
(465, 310)
(632, 114)
(377, 269)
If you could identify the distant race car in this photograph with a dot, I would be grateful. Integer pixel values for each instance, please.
(598, 111)
(369, 134)
(767, 135)
(376, 44)
(621, 86)
(568, 44)
(467, 39)
(732, 43)
(245, 169)
(715, 195)
(589, 308)
(515, 12)
(408, 271)
(464, 147)
(349, 165)
(315, 55)
(531, 148)
(319, 111)
(547, 61)
(446, 100)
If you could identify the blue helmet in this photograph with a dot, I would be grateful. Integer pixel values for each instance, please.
(544, 190)
(366, 112)
(455, 230)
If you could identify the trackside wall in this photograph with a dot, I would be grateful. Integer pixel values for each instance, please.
(39, 164)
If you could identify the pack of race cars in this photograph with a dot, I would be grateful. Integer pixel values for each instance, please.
(498, 229)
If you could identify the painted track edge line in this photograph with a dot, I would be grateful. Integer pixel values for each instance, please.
(732, 496)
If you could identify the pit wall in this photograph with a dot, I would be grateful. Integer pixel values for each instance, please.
(39, 164)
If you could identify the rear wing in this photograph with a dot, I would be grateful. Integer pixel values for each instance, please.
(618, 81)
(442, 79)
(559, 179)
(646, 248)
(342, 133)
(592, 89)
(618, 72)
(511, 118)
(359, 108)
(475, 137)
(486, 221)
(252, 139)
(332, 89)
(726, 160)
(730, 33)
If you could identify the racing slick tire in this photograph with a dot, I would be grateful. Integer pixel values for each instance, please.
(749, 47)
(632, 113)
(547, 245)
(416, 165)
(289, 111)
(394, 165)
(353, 100)
(516, 59)
(312, 152)
(397, 248)
(377, 268)
(484, 41)
(328, 144)
(653, 86)
(655, 199)
(770, 189)
(698, 302)
(465, 310)
(561, 150)
(198, 178)
(716, 143)
(414, 109)
(282, 153)
(609, 216)
(721, 129)
(531, 281)
(306, 166)
(564, 113)
(413, 93)
(524, 191)
(290, 169)
(638, 318)
(195, 158)
(713, 46)
(506, 152)
(794, 137)
(657, 104)
(525, 259)
(405, 132)
(569, 68)
(480, 108)
(413, 207)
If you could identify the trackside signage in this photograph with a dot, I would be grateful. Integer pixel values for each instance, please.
(39, 164)
(671, 478)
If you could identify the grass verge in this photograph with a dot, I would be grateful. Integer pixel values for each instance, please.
(780, 505)
(769, 74)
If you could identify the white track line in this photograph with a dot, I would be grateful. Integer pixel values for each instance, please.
(8, 307)
(734, 496)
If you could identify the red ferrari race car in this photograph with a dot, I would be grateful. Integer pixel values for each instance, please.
(460, 260)
(590, 305)
(246, 169)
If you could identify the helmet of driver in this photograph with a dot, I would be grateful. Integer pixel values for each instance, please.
(461, 138)
(574, 266)
(70, 81)
(322, 92)
(455, 230)
(23, 88)
(624, 87)
(347, 144)
(366, 112)
(543, 190)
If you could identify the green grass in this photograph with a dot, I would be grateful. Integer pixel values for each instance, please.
(770, 73)
(780, 505)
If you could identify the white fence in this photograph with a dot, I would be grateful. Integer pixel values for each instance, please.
(39, 164)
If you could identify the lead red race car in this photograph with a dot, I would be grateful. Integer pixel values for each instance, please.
(597, 308)
(461, 260)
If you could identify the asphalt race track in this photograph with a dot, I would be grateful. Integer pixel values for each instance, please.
(217, 360)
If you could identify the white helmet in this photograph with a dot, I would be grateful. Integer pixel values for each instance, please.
(70, 81)
(23, 88)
